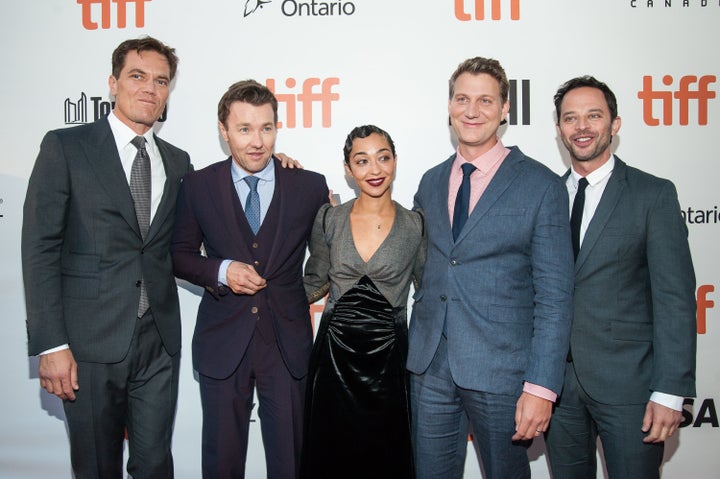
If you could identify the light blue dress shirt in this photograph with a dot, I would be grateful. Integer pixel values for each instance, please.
(266, 189)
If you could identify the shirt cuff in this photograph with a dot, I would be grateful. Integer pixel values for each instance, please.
(54, 350)
(539, 391)
(222, 272)
(668, 400)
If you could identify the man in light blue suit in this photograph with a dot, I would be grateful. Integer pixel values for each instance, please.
(633, 339)
(491, 321)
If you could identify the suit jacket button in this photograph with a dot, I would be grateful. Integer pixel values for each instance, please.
(255, 245)
(254, 310)
(257, 263)
(443, 298)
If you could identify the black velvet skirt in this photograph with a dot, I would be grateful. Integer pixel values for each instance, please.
(357, 418)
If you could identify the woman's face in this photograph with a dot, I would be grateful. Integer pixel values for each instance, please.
(372, 165)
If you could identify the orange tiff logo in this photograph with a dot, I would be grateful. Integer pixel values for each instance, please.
(106, 11)
(685, 96)
(703, 304)
(309, 96)
(495, 10)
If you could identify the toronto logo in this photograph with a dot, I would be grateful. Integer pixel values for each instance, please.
(80, 111)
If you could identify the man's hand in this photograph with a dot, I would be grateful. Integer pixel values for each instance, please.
(288, 162)
(58, 374)
(660, 421)
(532, 416)
(243, 279)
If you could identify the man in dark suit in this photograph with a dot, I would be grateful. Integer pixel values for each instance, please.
(253, 328)
(632, 345)
(102, 306)
(491, 320)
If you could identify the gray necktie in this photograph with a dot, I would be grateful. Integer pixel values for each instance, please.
(141, 193)
(252, 204)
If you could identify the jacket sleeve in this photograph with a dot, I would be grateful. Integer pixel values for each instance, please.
(316, 279)
(672, 281)
(189, 262)
(553, 280)
(43, 231)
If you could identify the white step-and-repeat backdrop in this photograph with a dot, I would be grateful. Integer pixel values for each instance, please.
(338, 64)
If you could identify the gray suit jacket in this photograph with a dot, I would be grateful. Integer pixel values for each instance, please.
(82, 252)
(634, 325)
(504, 287)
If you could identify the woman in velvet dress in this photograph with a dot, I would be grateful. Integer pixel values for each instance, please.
(367, 251)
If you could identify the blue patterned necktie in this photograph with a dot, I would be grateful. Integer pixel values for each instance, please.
(462, 201)
(252, 204)
(140, 189)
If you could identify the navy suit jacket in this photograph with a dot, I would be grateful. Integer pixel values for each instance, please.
(634, 328)
(209, 213)
(504, 287)
(83, 254)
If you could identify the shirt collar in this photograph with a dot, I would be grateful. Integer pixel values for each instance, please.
(487, 160)
(596, 176)
(266, 174)
(124, 134)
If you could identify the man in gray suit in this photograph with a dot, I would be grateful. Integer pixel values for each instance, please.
(102, 304)
(632, 345)
(490, 325)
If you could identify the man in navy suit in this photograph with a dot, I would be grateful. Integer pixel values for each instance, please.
(491, 320)
(633, 339)
(102, 304)
(253, 329)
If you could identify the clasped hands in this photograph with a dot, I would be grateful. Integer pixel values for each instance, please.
(243, 279)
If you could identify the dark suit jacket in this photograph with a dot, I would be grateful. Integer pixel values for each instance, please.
(83, 255)
(634, 326)
(504, 287)
(209, 213)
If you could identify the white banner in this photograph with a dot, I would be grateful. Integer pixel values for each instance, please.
(338, 64)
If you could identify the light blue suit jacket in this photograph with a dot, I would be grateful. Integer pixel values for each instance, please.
(504, 287)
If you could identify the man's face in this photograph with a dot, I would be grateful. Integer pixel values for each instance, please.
(476, 110)
(250, 133)
(141, 90)
(585, 126)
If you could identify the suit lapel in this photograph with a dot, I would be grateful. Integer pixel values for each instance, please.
(280, 207)
(442, 196)
(223, 196)
(104, 160)
(608, 202)
(505, 175)
(170, 189)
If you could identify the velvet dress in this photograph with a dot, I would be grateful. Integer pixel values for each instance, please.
(357, 410)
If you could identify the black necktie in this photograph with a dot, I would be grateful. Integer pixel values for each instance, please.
(576, 216)
(140, 191)
(462, 201)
